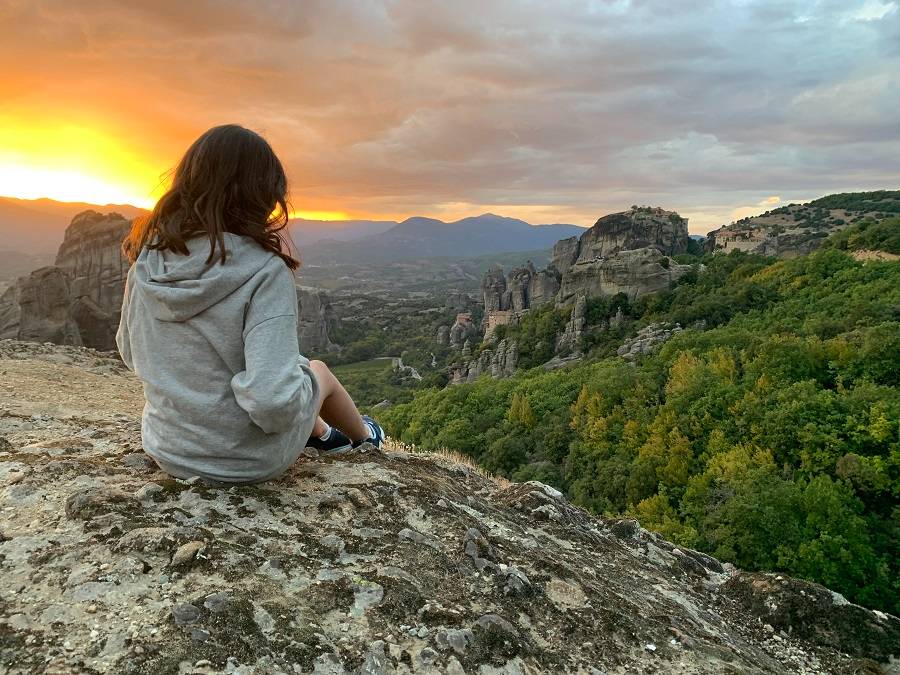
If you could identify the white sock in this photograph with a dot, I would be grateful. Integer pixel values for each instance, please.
(325, 436)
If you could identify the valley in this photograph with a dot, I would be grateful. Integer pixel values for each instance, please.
(725, 395)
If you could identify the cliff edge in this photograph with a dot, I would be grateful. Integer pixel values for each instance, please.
(370, 562)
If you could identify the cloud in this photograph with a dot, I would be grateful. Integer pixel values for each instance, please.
(574, 107)
(763, 205)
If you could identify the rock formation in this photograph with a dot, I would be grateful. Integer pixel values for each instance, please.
(443, 336)
(635, 273)
(626, 252)
(521, 289)
(78, 300)
(648, 339)
(463, 329)
(507, 297)
(569, 341)
(91, 255)
(370, 562)
(498, 362)
(38, 307)
(314, 317)
(639, 227)
(459, 301)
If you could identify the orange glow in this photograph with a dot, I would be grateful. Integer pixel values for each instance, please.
(320, 215)
(72, 162)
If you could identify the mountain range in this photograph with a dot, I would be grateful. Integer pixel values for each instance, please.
(305, 232)
(420, 237)
(35, 228)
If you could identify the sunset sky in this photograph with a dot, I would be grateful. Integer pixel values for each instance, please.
(550, 111)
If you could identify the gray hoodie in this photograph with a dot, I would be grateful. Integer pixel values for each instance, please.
(228, 396)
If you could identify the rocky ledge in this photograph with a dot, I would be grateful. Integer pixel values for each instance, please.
(372, 562)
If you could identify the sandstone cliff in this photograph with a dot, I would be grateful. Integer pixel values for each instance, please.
(370, 562)
(78, 300)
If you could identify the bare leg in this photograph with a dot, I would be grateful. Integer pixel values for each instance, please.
(335, 405)
(319, 429)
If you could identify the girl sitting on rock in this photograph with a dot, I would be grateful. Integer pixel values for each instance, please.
(209, 323)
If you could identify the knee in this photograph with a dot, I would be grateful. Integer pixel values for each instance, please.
(320, 369)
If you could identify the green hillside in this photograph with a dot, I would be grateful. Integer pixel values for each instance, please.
(767, 434)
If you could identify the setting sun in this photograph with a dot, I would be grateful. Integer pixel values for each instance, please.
(71, 162)
(319, 215)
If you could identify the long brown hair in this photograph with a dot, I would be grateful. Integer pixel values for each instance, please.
(229, 180)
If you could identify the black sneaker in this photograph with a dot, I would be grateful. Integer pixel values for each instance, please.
(337, 441)
(376, 433)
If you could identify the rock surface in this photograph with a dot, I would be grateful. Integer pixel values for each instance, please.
(639, 227)
(371, 562)
(78, 300)
(635, 273)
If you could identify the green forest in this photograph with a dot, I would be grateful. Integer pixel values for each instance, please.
(767, 433)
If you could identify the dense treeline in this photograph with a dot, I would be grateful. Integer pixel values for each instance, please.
(884, 201)
(766, 435)
(881, 236)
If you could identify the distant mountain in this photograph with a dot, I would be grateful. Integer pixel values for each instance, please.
(305, 232)
(420, 237)
(36, 226)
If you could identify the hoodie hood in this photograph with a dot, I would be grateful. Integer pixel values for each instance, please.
(178, 287)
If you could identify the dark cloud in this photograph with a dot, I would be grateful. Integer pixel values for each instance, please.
(566, 107)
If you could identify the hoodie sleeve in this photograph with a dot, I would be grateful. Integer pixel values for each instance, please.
(276, 387)
(123, 338)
